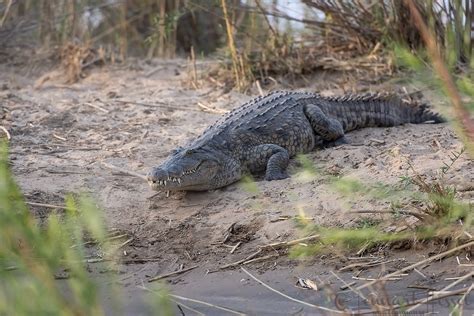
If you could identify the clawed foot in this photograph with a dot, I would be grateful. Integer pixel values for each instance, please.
(276, 176)
(338, 142)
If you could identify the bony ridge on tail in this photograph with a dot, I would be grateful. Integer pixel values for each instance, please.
(264, 133)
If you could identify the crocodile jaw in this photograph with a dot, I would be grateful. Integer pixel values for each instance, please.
(184, 173)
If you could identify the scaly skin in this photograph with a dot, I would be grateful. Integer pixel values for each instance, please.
(263, 134)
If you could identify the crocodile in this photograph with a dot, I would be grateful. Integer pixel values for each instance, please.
(264, 133)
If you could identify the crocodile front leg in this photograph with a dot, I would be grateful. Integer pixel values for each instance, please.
(270, 157)
(331, 130)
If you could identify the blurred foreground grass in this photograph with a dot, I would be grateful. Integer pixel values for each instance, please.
(34, 256)
(31, 256)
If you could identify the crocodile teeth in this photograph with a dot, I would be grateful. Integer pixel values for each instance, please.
(167, 193)
(179, 181)
(165, 182)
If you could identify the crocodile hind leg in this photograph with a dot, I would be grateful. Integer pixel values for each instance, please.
(270, 157)
(330, 130)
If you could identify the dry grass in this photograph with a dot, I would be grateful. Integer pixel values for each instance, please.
(75, 61)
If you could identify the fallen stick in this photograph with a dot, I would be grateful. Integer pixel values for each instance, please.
(95, 260)
(7, 133)
(429, 299)
(273, 246)
(59, 137)
(95, 241)
(207, 304)
(46, 205)
(186, 307)
(195, 301)
(417, 264)
(444, 289)
(292, 298)
(260, 259)
(96, 107)
(365, 264)
(140, 260)
(129, 172)
(163, 276)
(11, 268)
(259, 87)
(236, 263)
(206, 108)
(350, 287)
(283, 244)
(235, 247)
(5, 14)
(458, 308)
(125, 243)
(372, 279)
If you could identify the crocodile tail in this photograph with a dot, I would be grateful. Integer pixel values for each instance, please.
(377, 110)
(421, 113)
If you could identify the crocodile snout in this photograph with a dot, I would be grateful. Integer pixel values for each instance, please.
(168, 179)
(156, 174)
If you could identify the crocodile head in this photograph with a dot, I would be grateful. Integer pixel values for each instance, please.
(191, 169)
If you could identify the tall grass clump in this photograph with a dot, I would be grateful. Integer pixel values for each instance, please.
(440, 214)
(340, 35)
(31, 256)
(138, 28)
(446, 76)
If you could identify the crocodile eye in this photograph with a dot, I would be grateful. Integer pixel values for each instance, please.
(189, 152)
(176, 150)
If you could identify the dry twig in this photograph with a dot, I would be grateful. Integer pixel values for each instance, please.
(7, 133)
(206, 108)
(129, 172)
(349, 286)
(167, 275)
(261, 259)
(126, 242)
(462, 114)
(259, 87)
(7, 10)
(96, 107)
(46, 205)
(292, 298)
(196, 301)
(458, 308)
(235, 247)
(290, 243)
(417, 264)
(233, 264)
(273, 246)
(442, 291)
(365, 264)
